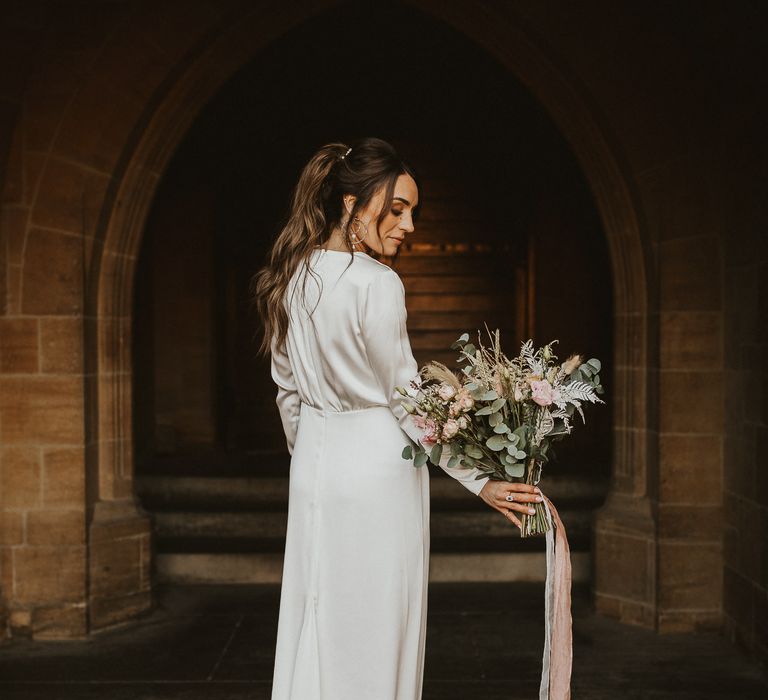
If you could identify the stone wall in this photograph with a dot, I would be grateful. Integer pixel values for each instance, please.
(93, 102)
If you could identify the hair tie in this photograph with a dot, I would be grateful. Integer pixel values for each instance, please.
(347, 153)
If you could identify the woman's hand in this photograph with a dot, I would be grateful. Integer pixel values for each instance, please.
(495, 493)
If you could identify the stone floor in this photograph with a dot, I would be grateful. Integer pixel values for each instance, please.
(217, 643)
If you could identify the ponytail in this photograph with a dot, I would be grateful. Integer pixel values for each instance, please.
(308, 224)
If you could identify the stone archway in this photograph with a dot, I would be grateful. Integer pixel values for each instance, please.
(625, 527)
(73, 238)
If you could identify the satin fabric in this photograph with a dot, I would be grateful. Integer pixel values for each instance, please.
(353, 602)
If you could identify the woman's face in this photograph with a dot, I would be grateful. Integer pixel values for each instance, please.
(398, 221)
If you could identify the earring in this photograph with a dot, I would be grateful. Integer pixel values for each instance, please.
(354, 234)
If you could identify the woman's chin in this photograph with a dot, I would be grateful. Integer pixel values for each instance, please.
(392, 248)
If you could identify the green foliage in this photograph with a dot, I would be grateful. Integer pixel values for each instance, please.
(473, 451)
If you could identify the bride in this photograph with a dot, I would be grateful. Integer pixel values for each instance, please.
(353, 602)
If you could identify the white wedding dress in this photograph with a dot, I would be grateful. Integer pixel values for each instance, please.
(353, 603)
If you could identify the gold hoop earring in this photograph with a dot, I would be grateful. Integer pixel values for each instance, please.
(354, 236)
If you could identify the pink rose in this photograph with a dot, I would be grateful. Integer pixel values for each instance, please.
(420, 422)
(430, 432)
(450, 429)
(542, 392)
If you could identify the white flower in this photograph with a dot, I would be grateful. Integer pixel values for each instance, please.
(446, 392)
(450, 429)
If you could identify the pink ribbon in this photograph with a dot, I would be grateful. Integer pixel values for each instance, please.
(558, 639)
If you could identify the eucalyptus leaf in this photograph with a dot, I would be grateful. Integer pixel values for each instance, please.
(515, 469)
(484, 411)
(497, 442)
(469, 349)
(501, 428)
(436, 453)
(520, 454)
(594, 362)
(453, 461)
(468, 461)
(495, 418)
(407, 452)
(420, 460)
(489, 396)
(472, 450)
(498, 403)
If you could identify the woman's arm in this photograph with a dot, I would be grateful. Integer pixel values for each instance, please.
(287, 399)
(386, 339)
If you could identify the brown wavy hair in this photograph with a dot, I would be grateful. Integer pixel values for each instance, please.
(317, 208)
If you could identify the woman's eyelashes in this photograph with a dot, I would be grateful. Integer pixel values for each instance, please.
(397, 212)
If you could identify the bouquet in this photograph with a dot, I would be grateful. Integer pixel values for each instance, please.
(502, 415)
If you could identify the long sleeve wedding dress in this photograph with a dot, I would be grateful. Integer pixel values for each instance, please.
(353, 603)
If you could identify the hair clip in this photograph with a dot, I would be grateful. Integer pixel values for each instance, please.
(347, 153)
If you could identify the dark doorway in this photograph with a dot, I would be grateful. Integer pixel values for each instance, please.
(508, 234)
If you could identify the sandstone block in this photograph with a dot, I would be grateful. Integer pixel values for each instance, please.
(73, 198)
(20, 476)
(691, 340)
(18, 345)
(690, 274)
(45, 574)
(11, 528)
(41, 410)
(690, 575)
(61, 345)
(624, 566)
(691, 402)
(55, 527)
(52, 282)
(690, 469)
(63, 476)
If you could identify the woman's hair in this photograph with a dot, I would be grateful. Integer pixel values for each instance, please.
(317, 207)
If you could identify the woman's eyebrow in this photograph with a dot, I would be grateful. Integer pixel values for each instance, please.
(402, 199)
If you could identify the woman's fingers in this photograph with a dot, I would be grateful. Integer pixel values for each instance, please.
(519, 497)
(530, 510)
(511, 516)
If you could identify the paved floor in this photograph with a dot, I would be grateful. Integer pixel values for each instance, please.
(217, 643)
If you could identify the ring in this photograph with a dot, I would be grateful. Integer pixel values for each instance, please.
(510, 497)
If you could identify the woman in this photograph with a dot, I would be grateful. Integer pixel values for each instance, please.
(353, 603)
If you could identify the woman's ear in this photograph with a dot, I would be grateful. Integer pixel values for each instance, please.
(349, 202)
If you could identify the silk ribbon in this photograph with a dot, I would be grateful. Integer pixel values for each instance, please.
(558, 638)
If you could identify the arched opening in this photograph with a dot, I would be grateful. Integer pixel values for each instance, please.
(503, 200)
(167, 125)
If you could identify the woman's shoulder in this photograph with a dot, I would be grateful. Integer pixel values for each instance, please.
(362, 270)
